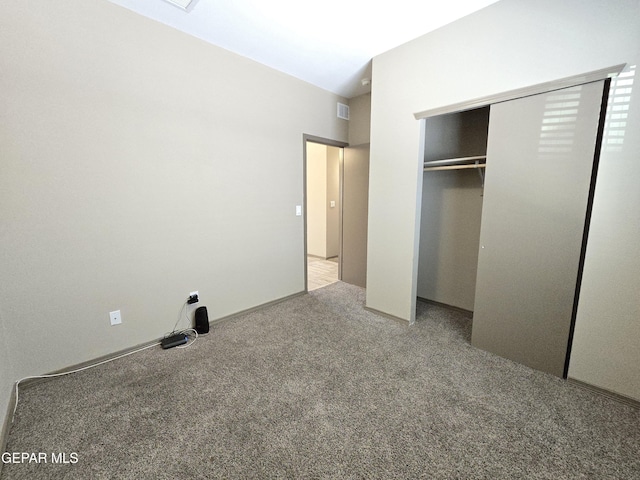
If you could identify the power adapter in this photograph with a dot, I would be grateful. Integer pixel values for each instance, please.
(173, 340)
(192, 299)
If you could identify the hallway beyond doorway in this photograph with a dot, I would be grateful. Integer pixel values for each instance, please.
(321, 272)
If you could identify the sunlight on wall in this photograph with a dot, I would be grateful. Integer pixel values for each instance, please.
(559, 122)
(561, 110)
(618, 110)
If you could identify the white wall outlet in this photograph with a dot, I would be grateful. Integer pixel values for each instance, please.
(191, 294)
(298, 210)
(332, 204)
(115, 317)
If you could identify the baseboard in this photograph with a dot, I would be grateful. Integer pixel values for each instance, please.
(320, 257)
(6, 425)
(632, 402)
(257, 307)
(444, 305)
(32, 381)
(420, 299)
(387, 315)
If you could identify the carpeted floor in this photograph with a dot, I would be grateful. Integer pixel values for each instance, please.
(317, 387)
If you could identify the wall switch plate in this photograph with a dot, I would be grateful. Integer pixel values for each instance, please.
(115, 317)
(298, 210)
(332, 203)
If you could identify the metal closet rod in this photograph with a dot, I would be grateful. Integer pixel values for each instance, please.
(456, 163)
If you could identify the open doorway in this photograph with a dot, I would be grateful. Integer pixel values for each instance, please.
(336, 185)
(323, 213)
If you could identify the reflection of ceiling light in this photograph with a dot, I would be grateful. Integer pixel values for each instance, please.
(185, 5)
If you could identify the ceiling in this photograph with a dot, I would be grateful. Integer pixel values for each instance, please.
(329, 44)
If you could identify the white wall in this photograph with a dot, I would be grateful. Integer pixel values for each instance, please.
(333, 195)
(323, 186)
(360, 120)
(139, 164)
(606, 345)
(508, 45)
(316, 199)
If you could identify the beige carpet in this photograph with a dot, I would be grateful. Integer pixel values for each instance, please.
(317, 387)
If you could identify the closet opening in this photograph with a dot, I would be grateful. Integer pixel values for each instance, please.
(509, 245)
(452, 193)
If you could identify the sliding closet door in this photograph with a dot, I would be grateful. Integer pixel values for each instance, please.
(540, 156)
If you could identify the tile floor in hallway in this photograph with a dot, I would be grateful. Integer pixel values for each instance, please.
(321, 272)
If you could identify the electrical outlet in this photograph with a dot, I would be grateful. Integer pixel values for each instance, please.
(115, 317)
(193, 298)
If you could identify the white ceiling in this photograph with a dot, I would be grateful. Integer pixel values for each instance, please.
(329, 44)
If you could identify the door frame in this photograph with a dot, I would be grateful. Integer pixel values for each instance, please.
(330, 143)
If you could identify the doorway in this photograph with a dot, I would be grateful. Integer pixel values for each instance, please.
(323, 213)
(336, 186)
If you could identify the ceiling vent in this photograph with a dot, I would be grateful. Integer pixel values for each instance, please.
(186, 5)
(343, 111)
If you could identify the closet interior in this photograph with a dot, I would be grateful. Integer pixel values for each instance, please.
(452, 193)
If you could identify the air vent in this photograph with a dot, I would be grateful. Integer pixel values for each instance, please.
(343, 111)
(186, 5)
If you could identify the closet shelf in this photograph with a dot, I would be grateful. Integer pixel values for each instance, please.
(456, 163)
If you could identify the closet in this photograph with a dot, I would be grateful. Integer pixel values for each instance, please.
(507, 194)
(452, 206)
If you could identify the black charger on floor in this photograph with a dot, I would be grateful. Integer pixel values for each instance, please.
(173, 340)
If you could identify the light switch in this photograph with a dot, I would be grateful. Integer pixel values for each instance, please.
(333, 203)
(298, 210)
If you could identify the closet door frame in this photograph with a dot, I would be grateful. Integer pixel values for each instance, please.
(572, 81)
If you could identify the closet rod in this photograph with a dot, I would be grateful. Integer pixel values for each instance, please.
(454, 161)
(456, 167)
